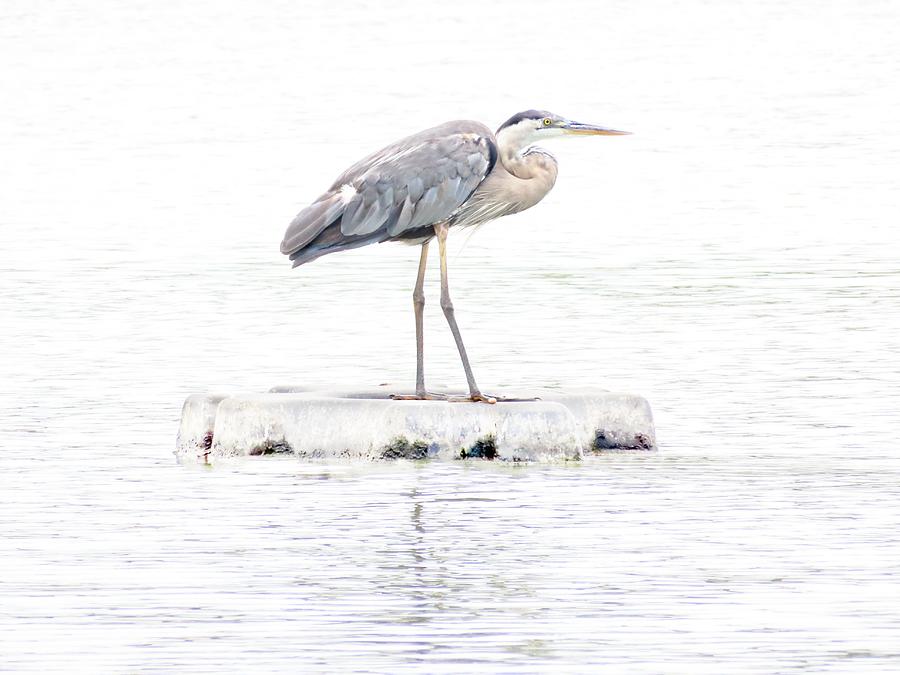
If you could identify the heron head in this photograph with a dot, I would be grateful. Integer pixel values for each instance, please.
(531, 126)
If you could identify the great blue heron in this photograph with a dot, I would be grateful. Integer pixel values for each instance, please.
(456, 174)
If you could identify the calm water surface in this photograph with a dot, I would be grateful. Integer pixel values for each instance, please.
(735, 261)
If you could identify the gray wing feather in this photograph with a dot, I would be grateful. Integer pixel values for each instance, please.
(448, 191)
(416, 182)
(427, 172)
(415, 187)
(401, 224)
(360, 218)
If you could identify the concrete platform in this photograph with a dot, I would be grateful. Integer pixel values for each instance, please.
(368, 424)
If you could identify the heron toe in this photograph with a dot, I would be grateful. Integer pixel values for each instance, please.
(419, 397)
(484, 398)
(477, 397)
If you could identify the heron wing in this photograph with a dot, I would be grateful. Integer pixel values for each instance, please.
(395, 193)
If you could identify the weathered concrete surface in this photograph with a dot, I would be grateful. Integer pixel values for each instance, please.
(198, 418)
(368, 424)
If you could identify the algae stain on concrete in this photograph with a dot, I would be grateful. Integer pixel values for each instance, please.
(605, 441)
(402, 448)
(272, 448)
(483, 448)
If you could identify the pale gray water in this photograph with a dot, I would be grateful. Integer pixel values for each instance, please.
(735, 261)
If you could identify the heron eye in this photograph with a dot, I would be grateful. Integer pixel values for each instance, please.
(546, 121)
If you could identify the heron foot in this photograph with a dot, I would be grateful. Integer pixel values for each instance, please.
(476, 397)
(419, 397)
(483, 398)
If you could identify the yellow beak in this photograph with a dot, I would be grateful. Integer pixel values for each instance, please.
(592, 130)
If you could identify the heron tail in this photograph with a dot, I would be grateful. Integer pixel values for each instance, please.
(311, 222)
(332, 241)
(316, 231)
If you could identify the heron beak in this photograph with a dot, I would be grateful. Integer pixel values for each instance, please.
(591, 130)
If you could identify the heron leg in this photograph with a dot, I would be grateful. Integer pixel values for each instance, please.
(418, 308)
(441, 231)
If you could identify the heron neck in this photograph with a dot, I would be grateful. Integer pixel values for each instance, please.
(527, 163)
(513, 146)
